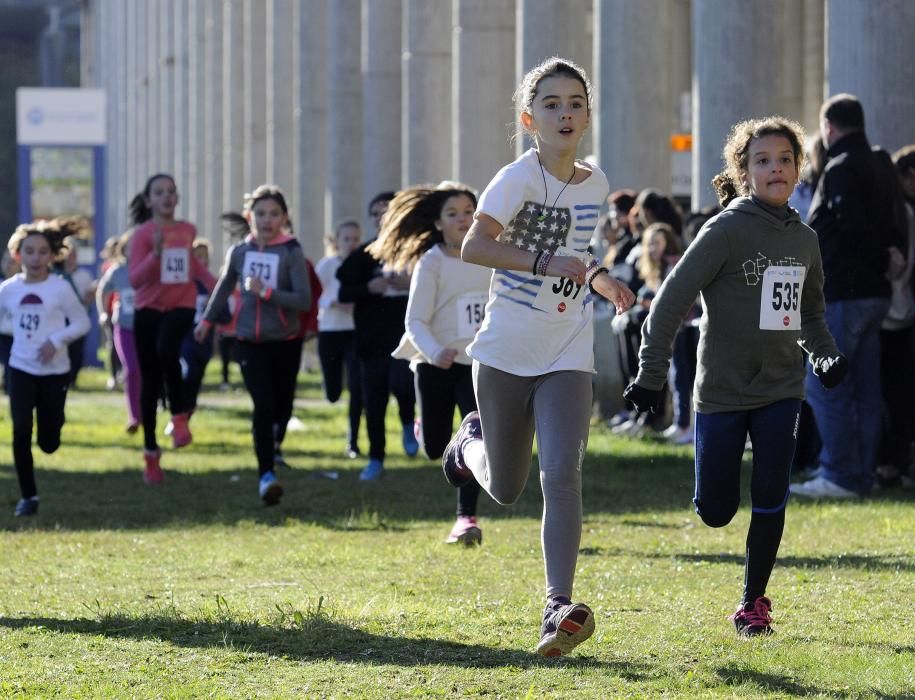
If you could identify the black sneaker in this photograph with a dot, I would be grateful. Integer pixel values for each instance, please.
(456, 470)
(278, 459)
(753, 619)
(26, 506)
(565, 626)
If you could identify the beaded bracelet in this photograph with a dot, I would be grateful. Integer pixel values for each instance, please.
(537, 262)
(593, 276)
(544, 262)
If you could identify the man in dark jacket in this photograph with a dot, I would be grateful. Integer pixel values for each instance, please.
(853, 213)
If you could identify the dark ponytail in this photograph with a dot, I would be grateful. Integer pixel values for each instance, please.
(138, 210)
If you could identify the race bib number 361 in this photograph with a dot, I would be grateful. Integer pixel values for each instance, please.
(780, 303)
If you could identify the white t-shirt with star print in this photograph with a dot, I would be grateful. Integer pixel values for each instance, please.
(528, 331)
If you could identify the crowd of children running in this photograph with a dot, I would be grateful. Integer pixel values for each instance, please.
(485, 304)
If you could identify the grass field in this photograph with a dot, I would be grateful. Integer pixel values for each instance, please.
(346, 589)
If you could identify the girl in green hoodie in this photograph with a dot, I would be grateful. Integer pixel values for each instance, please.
(757, 269)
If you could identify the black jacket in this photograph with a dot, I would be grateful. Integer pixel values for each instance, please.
(854, 215)
(379, 320)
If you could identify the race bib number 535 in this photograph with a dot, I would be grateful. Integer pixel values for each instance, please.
(780, 303)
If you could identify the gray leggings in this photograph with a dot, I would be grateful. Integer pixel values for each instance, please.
(558, 405)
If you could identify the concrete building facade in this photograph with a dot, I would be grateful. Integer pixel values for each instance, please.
(334, 100)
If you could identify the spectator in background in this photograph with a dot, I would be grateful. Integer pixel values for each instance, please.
(896, 342)
(853, 214)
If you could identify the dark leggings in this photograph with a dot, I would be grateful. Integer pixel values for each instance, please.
(381, 376)
(196, 357)
(269, 371)
(720, 441)
(438, 392)
(228, 352)
(336, 349)
(46, 396)
(158, 336)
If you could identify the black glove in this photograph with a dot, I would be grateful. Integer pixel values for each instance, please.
(831, 370)
(643, 399)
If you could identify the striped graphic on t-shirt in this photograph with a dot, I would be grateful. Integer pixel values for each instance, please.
(538, 227)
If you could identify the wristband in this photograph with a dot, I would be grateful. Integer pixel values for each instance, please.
(593, 275)
(544, 262)
(264, 293)
(537, 262)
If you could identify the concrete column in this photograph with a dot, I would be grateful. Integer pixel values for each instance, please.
(183, 22)
(233, 99)
(344, 102)
(482, 87)
(254, 50)
(791, 30)
(119, 169)
(279, 103)
(381, 103)
(310, 127)
(194, 148)
(164, 107)
(728, 80)
(634, 115)
(426, 116)
(131, 102)
(147, 76)
(813, 63)
(213, 117)
(546, 28)
(869, 54)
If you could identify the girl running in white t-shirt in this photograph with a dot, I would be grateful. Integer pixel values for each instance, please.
(533, 357)
(424, 227)
(47, 316)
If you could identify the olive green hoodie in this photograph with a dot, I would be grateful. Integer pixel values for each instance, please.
(754, 323)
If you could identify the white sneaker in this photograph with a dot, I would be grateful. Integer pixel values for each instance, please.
(821, 487)
(684, 436)
(670, 431)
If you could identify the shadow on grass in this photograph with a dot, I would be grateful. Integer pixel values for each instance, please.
(312, 637)
(864, 562)
(412, 490)
(769, 682)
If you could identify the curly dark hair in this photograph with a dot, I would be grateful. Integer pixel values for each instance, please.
(729, 183)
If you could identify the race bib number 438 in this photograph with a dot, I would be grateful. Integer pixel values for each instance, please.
(175, 266)
(780, 303)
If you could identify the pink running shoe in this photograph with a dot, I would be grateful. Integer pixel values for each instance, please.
(465, 532)
(152, 475)
(181, 433)
(753, 619)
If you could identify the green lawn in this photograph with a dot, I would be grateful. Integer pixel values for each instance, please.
(346, 589)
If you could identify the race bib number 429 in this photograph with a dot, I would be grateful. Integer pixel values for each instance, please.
(780, 303)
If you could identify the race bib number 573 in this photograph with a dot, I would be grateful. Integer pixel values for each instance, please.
(780, 303)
